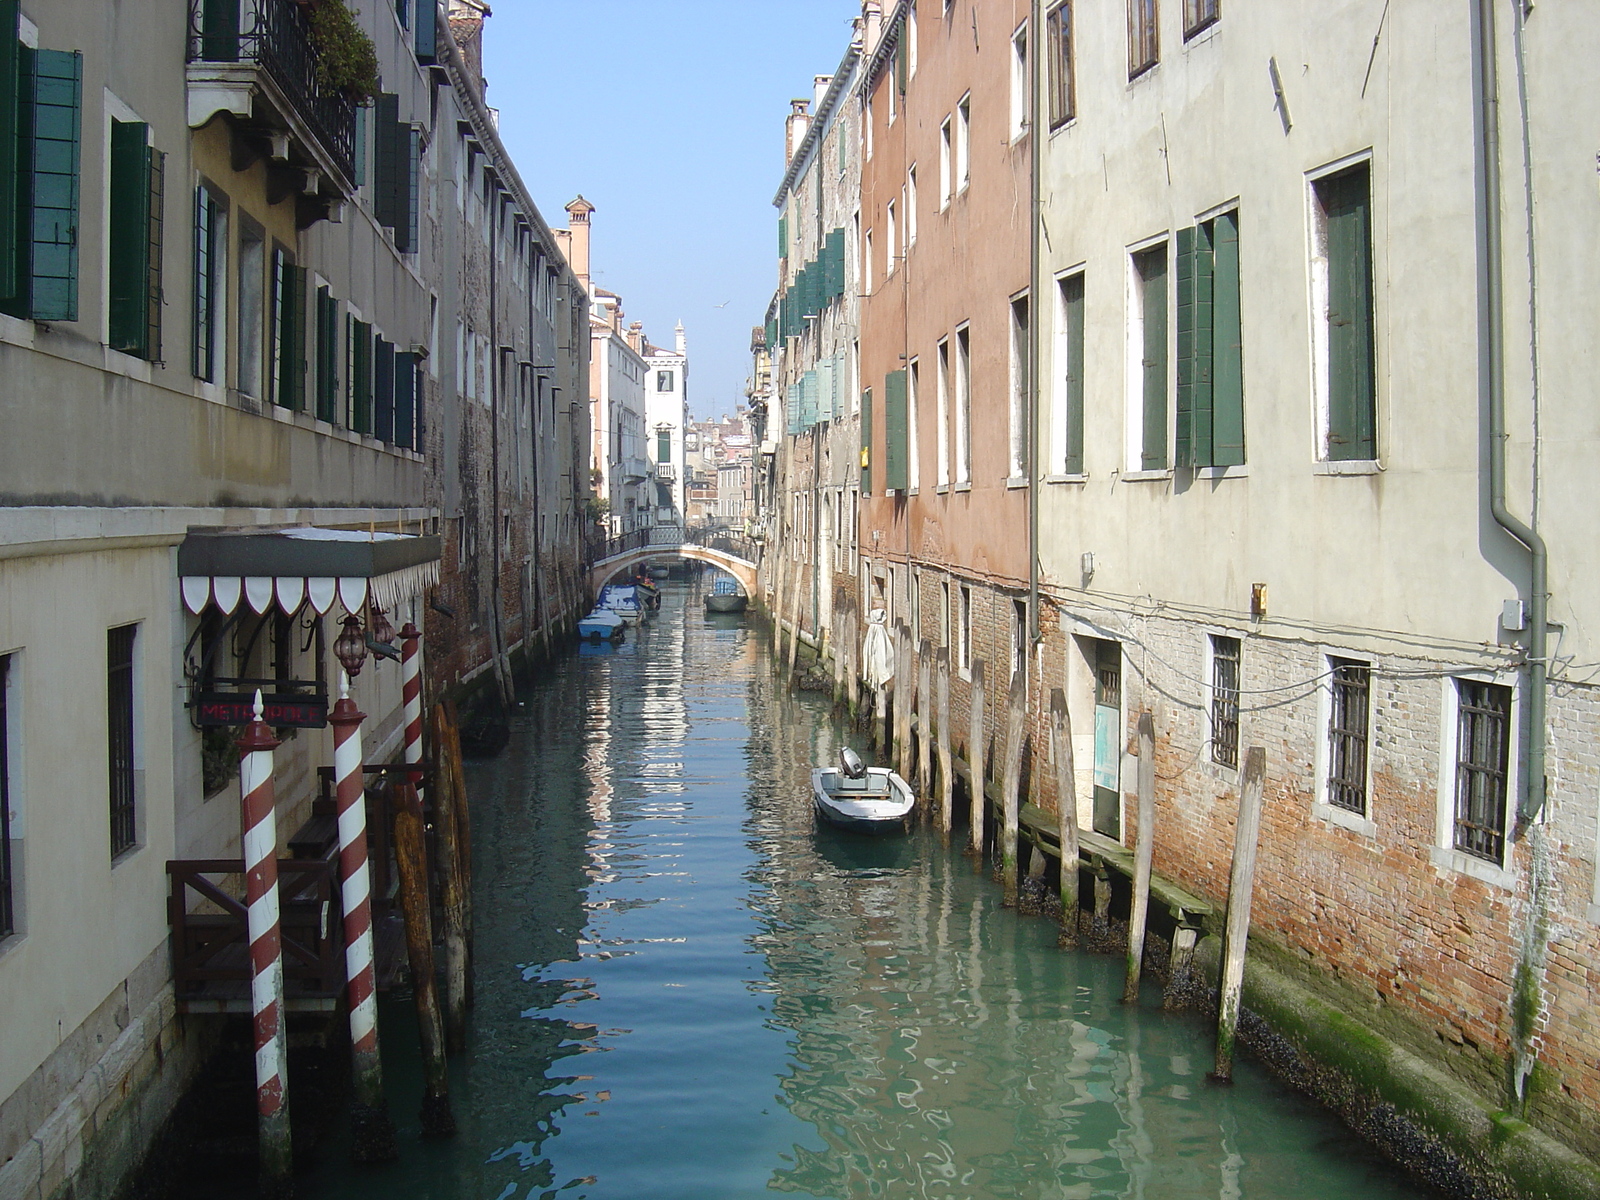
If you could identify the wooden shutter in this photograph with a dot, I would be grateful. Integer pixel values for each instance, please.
(405, 386)
(808, 400)
(10, 174)
(128, 253)
(1194, 308)
(1352, 389)
(1153, 285)
(291, 363)
(361, 378)
(783, 237)
(1227, 348)
(386, 161)
(205, 312)
(835, 245)
(54, 142)
(383, 390)
(154, 295)
(866, 442)
(427, 32)
(405, 233)
(896, 460)
(327, 348)
(219, 30)
(1072, 300)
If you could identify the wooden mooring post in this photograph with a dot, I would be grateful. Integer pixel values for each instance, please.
(794, 620)
(924, 725)
(905, 698)
(1240, 884)
(975, 747)
(1066, 814)
(1142, 857)
(1011, 783)
(947, 782)
(411, 859)
(448, 799)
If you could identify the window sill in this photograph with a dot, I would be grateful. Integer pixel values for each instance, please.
(1017, 482)
(1466, 864)
(1357, 466)
(1146, 476)
(1066, 479)
(942, 490)
(965, 486)
(1235, 472)
(1344, 819)
(130, 366)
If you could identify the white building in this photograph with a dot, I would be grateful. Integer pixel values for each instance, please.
(666, 420)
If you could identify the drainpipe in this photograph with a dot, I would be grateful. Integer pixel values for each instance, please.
(1492, 314)
(1037, 306)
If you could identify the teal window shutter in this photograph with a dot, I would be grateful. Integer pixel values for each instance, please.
(383, 390)
(1072, 302)
(291, 364)
(1194, 306)
(783, 237)
(386, 161)
(1227, 352)
(405, 232)
(808, 400)
(54, 143)
(1352, 368)
(427, 32)
(866, 442)
(358, 162)
(207, 275)
(128, 252)
(835, 245)
(327, 349)
(405, 386)
(361, 379)
(896, 458)
(1152, 267)
(10, 177)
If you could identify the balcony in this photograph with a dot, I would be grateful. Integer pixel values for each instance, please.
(635, 469)
(666, 472)
(253, 60)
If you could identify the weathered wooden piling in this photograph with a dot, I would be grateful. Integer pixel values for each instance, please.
(462, 812)
(794, 620)
(905, 698)
(1240, 884)
(975, 740)
(947, 782)
(1016, 715)
(1066, 813)
(924, 725)
(1100, 926)
(411, 859)
(452, 905)
(1142, 857)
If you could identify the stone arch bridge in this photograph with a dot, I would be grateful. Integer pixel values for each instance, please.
(727, 554)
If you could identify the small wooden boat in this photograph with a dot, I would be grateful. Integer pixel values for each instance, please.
(725, 597)
(860, 798)
(601, 625)
(649, 593)
(623, 599)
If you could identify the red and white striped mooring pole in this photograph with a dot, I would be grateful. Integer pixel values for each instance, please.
(260, 840)
(373, 1131)
(411, 697)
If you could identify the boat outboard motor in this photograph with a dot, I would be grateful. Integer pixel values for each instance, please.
(850, 763)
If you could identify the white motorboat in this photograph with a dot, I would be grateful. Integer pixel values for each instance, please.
(623, 599)
(601, 625)
(860, 798)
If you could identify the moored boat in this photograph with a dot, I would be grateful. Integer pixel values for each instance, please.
(623, 599)
(601, 625)
(725, 597)
(862, 799)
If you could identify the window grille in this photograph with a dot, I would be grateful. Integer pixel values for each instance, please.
(1347, 735)
(1482, 723)
(119, 736)
(1225, 701)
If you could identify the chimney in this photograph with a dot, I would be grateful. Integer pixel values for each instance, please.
(578, 239)
(872, 14)
(636, 337)
(679, 340)
(799, 121)
(466, 19)
(819, 89)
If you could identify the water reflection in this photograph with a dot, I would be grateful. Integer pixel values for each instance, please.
(685, 988)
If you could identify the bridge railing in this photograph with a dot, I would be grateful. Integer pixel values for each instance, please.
(729, 538)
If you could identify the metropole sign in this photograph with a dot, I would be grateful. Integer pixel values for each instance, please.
(237, 708)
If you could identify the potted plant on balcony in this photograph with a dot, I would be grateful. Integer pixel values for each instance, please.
(347, 61)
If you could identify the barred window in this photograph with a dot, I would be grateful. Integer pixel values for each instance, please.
(1351, 685)
(119, 736)
(1225, 701)
(1483, 723)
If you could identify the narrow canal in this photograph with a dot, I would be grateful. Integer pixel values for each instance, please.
(685, 989)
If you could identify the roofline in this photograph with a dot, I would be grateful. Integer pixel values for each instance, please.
(818, 120)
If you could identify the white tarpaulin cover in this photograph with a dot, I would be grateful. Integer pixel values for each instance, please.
(877, 655)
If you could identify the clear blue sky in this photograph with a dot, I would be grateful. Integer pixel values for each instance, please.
(668, 116)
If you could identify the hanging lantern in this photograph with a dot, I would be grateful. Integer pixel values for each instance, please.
(382, 631)
(351, 647)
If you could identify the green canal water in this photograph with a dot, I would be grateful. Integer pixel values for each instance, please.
(686, 989)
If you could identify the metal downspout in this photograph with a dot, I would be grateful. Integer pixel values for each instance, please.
(1493, 317)
(1037, 306)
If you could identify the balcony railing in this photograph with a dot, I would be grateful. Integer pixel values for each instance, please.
(275, 36)
(666, 472)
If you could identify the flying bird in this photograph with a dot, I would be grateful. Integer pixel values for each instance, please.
(724, 304)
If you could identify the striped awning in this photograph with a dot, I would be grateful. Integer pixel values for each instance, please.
(285, 568)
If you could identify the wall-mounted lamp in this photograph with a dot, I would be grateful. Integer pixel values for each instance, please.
(1258, 601)
(1086, 566)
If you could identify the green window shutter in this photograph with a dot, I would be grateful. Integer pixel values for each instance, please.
(361, 379)
(1153, 286)
(1072, 297)
(405, 386)
(54, 138)
(427, 33)
(128, 253)
(896, 460)
(825, 390)
(205, 300)
(802, 285)
(1227, 349)
(901, 64)
(783, 237)
(383, 390)
(10, 177)
(664, 446)
(327, 348)
(405, 233)
(772, 335)
(808, 394)
(155, 296)
(291, 337)
(219, 30)
(1352, 389)
(386, 163)
(866, 442)
(836, 262)
(358, 162)
(1194, 308)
